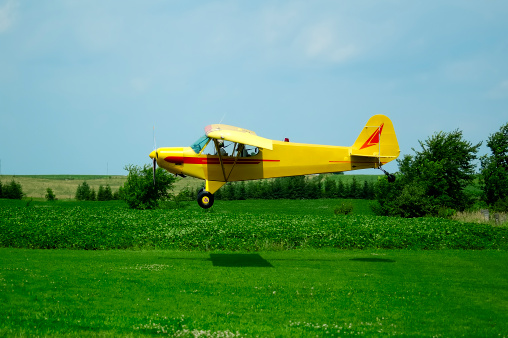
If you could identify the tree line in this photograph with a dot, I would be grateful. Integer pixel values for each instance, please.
(86, 193)
(295, 187)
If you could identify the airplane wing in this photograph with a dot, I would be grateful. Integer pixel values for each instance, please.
(239, 135)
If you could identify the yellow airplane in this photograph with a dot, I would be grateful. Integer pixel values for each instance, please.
(228, 154)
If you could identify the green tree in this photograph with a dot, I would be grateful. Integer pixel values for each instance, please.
(494, 168)
(140, 192)
(443, 168)
(83, 192)
(437, 175)
(241, 192)
(330, 187)
(50, 195)
(354, 188)
(341, 189)
(104, 193)
(13, 190)
(93, 195)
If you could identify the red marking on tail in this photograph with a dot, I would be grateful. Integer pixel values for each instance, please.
(374, 138)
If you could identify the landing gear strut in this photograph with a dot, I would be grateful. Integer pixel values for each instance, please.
(205, 199)
(390, 177)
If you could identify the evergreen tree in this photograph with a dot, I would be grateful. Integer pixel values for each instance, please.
(92, 196)
(330, 188)
(100, 194)
(298, 186)
(313, 188)
(276, 185)
(254, 189)
(13, 190)
(241, 192)
(354, 190)
(50, 195)
(341, 189)
(83, 192)
(364, 194)
(108, 194)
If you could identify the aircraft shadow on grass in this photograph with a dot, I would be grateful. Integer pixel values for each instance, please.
(373, 260)
(255, 260)
(239, 260)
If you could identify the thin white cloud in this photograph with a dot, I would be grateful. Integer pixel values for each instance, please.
(500, 91)
(7, 14)
(139, 84)
(322, 42)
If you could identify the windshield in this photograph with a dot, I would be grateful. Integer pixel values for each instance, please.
(199, 144)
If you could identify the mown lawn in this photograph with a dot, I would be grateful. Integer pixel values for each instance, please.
(298, 293)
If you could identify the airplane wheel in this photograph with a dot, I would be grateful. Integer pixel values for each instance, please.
(205, 199)
(391, 178)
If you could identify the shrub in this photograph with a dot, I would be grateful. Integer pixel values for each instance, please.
(140, 192)
(344, 208)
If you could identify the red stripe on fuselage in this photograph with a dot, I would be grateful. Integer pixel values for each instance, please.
(213, 160)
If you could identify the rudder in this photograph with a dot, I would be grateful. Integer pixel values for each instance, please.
(377, 139)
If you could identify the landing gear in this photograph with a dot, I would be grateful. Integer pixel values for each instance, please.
(390, 177)
(205, 199)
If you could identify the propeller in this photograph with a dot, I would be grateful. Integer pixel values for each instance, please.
(154, 167)
(155, 158)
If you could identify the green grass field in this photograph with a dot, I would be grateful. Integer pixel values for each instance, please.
(299, 293)
(253, 268)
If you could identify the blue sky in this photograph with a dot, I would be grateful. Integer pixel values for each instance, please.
(82, 83)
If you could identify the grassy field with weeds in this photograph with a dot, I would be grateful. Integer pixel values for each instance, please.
(297, 293)
(253, 268)
(240, 225)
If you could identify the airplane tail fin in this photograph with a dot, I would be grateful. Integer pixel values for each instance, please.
(378, 140)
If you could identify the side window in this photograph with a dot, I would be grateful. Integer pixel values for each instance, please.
(227, 149)
(249, 151)
(209, 149)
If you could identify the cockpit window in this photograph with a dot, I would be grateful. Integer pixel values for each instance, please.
(199, 144)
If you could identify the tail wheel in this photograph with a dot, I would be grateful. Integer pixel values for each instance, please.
(205, 199)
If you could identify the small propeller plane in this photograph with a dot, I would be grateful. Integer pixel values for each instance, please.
(228, 154)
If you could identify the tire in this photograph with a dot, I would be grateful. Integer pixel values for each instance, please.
(205, 199)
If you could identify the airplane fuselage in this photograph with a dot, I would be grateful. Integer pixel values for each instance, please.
(286, 159)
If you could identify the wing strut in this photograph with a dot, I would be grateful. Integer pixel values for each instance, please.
(236, 157)
(220, 159)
